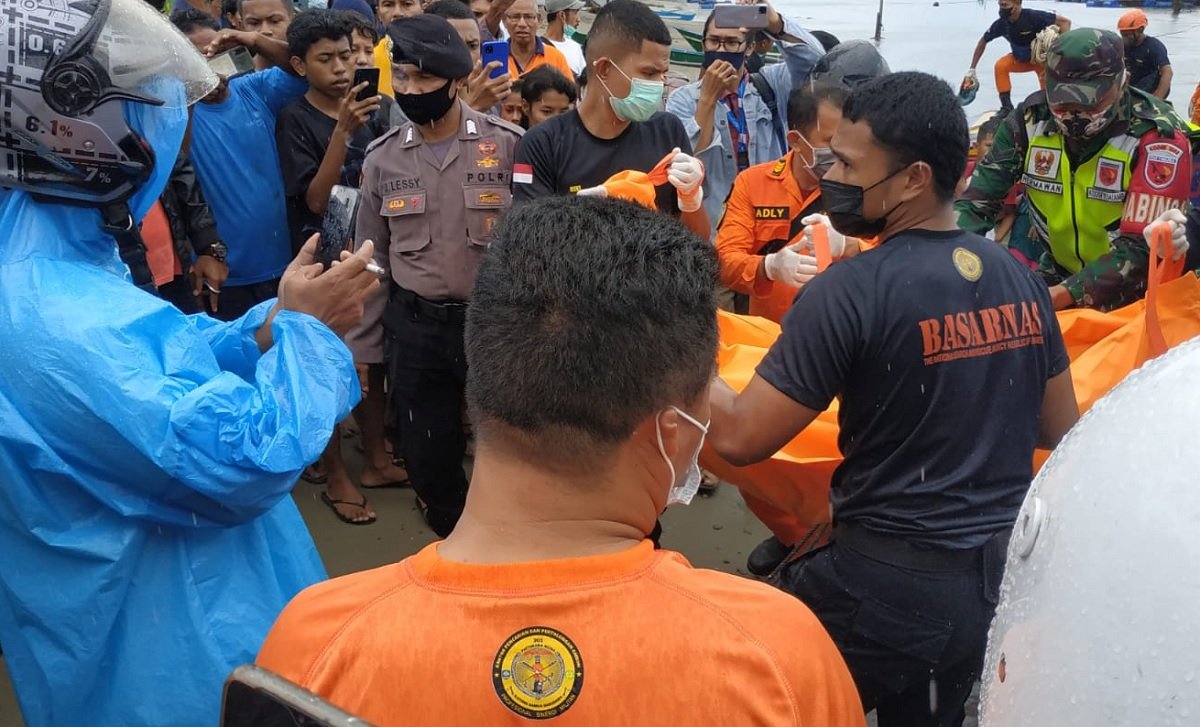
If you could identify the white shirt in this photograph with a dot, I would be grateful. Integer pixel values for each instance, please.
(574, 53)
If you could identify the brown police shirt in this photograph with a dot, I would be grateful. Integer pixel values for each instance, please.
(430, 219)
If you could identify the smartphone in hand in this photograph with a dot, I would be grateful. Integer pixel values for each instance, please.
(495, 50)
(232, 62)
(337, 230)
(255, 697)
(370, 76)
(750, 17)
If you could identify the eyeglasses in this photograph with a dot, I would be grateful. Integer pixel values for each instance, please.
(514, 19)
(726, 44)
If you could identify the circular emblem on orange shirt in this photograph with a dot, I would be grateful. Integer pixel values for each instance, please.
(538, 673)
(968, 264)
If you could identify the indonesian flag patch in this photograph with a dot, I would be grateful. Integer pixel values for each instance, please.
(522, 174)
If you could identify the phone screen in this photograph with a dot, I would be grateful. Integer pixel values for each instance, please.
(337, 229)
(371, 77)
(255, 697)
(232, 62)
(495, 50)
(750, 17)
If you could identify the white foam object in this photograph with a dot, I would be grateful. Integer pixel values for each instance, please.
(1097, 622)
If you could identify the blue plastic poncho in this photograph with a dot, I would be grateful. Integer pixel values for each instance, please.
(147, 541)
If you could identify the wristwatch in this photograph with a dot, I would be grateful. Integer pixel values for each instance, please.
(217, 251)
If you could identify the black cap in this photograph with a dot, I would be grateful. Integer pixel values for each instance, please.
(430, 43)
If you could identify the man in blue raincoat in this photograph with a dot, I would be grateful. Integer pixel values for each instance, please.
(146, 538)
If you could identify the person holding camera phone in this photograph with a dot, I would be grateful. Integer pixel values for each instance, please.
(322, 139)
(432, 191)
(736, 119)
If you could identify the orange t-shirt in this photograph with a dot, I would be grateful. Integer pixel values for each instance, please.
(637, 637)
(160, 246)
(544, 54)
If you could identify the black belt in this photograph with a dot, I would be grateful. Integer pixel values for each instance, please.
(897, 551)
(453, 312)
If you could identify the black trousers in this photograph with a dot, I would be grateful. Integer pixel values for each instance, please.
(914, 640)
(178, 292)
(427, 372)
(235, 300)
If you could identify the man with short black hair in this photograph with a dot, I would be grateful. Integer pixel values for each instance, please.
(233, 150)
(619, 126)
(550, 576)
(481, 92)
(947, 359)
(267, 18)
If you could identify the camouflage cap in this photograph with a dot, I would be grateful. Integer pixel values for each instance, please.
(1083, 66)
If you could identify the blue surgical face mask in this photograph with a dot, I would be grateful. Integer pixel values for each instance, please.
(644, 100)
(682, 493)
(162, 128)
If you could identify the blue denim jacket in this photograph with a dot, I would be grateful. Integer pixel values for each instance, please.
(719, 164)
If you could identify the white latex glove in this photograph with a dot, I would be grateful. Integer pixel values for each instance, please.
(970, 78)
(1176, 222)
(790, 266)
(686, 175)
(600, 191)
(837, 241)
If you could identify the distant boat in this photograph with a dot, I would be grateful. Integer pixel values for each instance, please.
(675, 15)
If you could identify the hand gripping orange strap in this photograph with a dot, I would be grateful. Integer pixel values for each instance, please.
(821, 249)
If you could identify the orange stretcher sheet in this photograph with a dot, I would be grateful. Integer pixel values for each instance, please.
(1103, 347)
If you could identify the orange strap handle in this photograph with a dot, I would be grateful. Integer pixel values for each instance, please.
(1162, 270)
(821, 249)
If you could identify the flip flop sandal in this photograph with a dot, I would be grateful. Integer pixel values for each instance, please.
(398, 485)
(332, 503)
(312, 476)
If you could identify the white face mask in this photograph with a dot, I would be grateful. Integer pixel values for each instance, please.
(683, 494)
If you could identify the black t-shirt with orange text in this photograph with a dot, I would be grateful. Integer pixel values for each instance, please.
(939, 345)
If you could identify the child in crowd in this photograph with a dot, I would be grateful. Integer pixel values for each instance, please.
(545, 93)
(512, 106)
(322, 140)
(983, 143)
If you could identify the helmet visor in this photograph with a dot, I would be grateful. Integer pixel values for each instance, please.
(144, 53)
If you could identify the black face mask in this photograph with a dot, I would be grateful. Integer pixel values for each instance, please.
(844, 205)
(1006, 13)
(735, 59)
(425, 108)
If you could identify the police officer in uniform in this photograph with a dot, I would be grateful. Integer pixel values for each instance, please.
(432, 191)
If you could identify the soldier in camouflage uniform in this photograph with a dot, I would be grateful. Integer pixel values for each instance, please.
(1100, 162)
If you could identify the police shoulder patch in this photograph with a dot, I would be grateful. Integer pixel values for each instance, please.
(967, 264)
(384, 137)
(538, 673)
(510, 126)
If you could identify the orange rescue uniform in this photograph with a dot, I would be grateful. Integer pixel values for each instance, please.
(764, 209)
(637, 637)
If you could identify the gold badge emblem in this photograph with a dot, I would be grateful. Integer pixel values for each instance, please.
(538, 673)
(968, 264)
